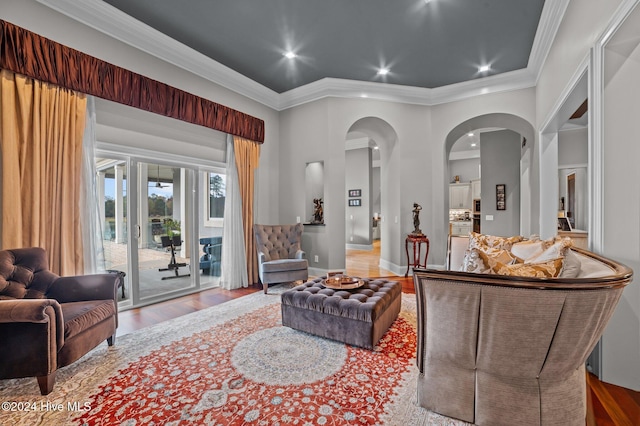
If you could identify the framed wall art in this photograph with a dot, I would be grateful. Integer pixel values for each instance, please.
(355, 202)
(501, 197)
(355, 193)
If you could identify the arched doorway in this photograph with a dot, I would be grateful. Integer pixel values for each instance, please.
(369, 143)
(512, 123)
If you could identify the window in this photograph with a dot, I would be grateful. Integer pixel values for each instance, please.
(216, 185)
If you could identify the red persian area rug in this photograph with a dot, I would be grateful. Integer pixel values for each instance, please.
(233, 364)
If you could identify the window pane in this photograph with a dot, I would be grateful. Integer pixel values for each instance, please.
(217, 195)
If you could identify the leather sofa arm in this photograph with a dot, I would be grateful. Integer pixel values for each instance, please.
(27, 310)
(85, 287)
(39, 311)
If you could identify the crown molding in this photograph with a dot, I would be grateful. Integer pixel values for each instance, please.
(120, 26)
(550, 19)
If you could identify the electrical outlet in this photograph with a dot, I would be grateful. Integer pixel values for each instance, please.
(350, 238)
(297, 219)
(315, 258)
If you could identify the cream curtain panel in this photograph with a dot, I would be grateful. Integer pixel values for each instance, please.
(234, 258)
(41, 130)
(247, 160)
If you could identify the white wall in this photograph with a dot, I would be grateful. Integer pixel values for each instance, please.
(573, 147)
(621, 341)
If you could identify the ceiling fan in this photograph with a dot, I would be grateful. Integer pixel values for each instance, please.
(158, 184)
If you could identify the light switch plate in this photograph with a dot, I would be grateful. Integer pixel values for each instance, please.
(489, 217)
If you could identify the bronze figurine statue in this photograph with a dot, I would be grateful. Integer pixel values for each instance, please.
(416, 219)
(318, 214)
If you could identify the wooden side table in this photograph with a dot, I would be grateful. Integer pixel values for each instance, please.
(416, 240)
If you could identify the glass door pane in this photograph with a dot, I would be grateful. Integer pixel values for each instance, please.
(210, 227)
(163, 244)
(112, 198)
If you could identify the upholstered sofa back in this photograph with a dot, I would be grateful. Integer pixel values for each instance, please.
(24, 274)
(498, 349)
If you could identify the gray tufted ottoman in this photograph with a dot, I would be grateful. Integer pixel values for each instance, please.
(358, 317)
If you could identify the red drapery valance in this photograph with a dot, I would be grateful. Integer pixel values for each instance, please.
(30, 54)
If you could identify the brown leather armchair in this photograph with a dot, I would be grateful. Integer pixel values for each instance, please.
(48, 322)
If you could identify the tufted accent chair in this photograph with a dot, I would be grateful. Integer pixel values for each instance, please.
(48, 322)
(280, 255)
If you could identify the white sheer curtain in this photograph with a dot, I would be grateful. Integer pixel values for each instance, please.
(234, 261)
(91, 228)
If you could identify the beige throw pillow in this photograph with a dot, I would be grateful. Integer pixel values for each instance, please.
(571, 265)
(528, 249)
(556, 250)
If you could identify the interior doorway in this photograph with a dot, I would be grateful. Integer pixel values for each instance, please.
(368, 146)
(516, 216)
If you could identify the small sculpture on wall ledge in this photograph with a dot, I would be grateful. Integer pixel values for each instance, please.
(416, 219)
(318, 212)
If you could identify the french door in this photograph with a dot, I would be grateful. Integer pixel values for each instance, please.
(152, 219)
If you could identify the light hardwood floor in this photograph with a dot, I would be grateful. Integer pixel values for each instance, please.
(608, 405)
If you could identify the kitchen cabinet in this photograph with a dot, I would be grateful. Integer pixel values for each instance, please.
(475, 189)
(461, 227)
(460, 196)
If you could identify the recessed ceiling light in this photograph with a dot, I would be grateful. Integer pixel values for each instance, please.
(473, 144)
(289, 55)
(484, 68)
(470, 134)
(364, 95)
(383, 71)
(375, 147)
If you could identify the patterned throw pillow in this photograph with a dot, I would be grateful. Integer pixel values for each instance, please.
(486, 244)
(491, 241)
(481, 262)
(549, 269)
